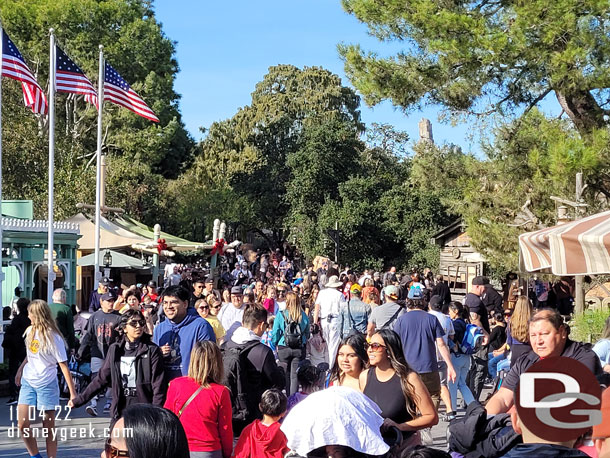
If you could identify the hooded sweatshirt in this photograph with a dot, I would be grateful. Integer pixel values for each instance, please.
(181, 337)
(260, 441)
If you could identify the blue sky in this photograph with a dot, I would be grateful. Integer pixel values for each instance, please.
(224, 49)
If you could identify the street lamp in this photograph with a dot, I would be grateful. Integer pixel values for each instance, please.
(107, 259)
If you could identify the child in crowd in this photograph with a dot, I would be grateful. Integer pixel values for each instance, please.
(309, 380)
(266, 337)
(263, 438)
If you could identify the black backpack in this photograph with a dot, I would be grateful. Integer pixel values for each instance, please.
(293, 336)
(235, 378)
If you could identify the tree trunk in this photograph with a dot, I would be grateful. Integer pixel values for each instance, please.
(582, 108)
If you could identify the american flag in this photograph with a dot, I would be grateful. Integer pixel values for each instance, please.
(70, 78)
(15, 67)
(118, 91)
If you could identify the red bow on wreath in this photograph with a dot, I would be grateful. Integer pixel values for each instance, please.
(218, 247)
(161, 245)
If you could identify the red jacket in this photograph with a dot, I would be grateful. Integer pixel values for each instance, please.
(260, 441)
(207, 419)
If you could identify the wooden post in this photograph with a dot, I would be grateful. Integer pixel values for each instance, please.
(579, 290)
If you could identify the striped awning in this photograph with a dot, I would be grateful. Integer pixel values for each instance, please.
(577, 248)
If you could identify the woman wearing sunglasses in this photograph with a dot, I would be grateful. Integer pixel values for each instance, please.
(133, 369)
(145, 431)
(398, 391)
(208, 308)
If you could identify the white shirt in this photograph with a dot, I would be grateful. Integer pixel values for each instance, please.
(41, 368)
(447, 325)
(331, 302)
(229, 314)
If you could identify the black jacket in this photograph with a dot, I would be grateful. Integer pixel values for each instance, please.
(442, 289)
(150, 386)
(474, 436)
(544, 450)
(14, 343)
(492, 300)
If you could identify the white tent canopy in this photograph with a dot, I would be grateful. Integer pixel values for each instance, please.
(111, 235)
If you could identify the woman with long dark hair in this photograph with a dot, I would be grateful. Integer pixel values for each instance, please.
(398, 391)
(145, 431)
(291, 352)
(517, 330)
(133, 369)
(350, 361)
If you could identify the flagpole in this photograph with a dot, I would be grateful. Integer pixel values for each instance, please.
(50, 244)
(98, 179)
(1, 246)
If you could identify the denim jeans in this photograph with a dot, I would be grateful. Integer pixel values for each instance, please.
(492, 364)
(461, 364)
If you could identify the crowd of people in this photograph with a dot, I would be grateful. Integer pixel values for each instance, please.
(236, 364)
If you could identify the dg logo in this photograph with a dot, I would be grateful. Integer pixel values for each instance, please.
(558, 399)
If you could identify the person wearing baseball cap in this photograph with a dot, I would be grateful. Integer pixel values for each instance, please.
(233, 312)
(354, 317)
(601, 432)
(387, 313)
(100, 334)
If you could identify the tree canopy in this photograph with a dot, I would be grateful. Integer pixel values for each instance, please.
(138, 49)
(486, 56)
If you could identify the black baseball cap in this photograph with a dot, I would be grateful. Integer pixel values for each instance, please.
(111, 295)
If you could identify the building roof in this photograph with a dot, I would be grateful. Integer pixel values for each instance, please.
(39, 225)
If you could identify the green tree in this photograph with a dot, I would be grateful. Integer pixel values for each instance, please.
(529, 160)
(249, 152)
(136, 46)
(467, 55)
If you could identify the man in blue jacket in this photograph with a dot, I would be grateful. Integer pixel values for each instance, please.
(177, 335)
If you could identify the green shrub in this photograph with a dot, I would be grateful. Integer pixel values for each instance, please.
(588, 327)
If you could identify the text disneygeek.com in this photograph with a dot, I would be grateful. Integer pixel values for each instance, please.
(65, 433)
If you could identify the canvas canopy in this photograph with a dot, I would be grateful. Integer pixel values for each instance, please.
(580, 247)
(119, 260)
(111, 235)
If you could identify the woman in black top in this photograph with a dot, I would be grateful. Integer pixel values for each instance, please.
(398, 391)
(133, 369)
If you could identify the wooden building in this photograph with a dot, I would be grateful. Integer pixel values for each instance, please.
(459, 260)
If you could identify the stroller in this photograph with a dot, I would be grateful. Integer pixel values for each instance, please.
(80, 373)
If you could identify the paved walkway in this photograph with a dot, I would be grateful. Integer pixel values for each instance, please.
(88, 438)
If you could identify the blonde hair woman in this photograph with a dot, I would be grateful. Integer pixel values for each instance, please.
(289, 335)
(517, 329)
(37, 375)
(203, 404)
(204, 308)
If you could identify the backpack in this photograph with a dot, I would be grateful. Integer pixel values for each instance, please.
(471, 340)
(235, 378)
(293, 336)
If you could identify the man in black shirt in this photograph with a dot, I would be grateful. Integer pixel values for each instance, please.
(478, 316)
(491, 298)
(548, 337)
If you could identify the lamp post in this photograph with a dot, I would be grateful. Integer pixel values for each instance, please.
(107, 260)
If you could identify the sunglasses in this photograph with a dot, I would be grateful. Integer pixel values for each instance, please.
(281, 293)
(136, 323)
(376, 347)
(216, 306)
(112, 452)
(204, 307)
